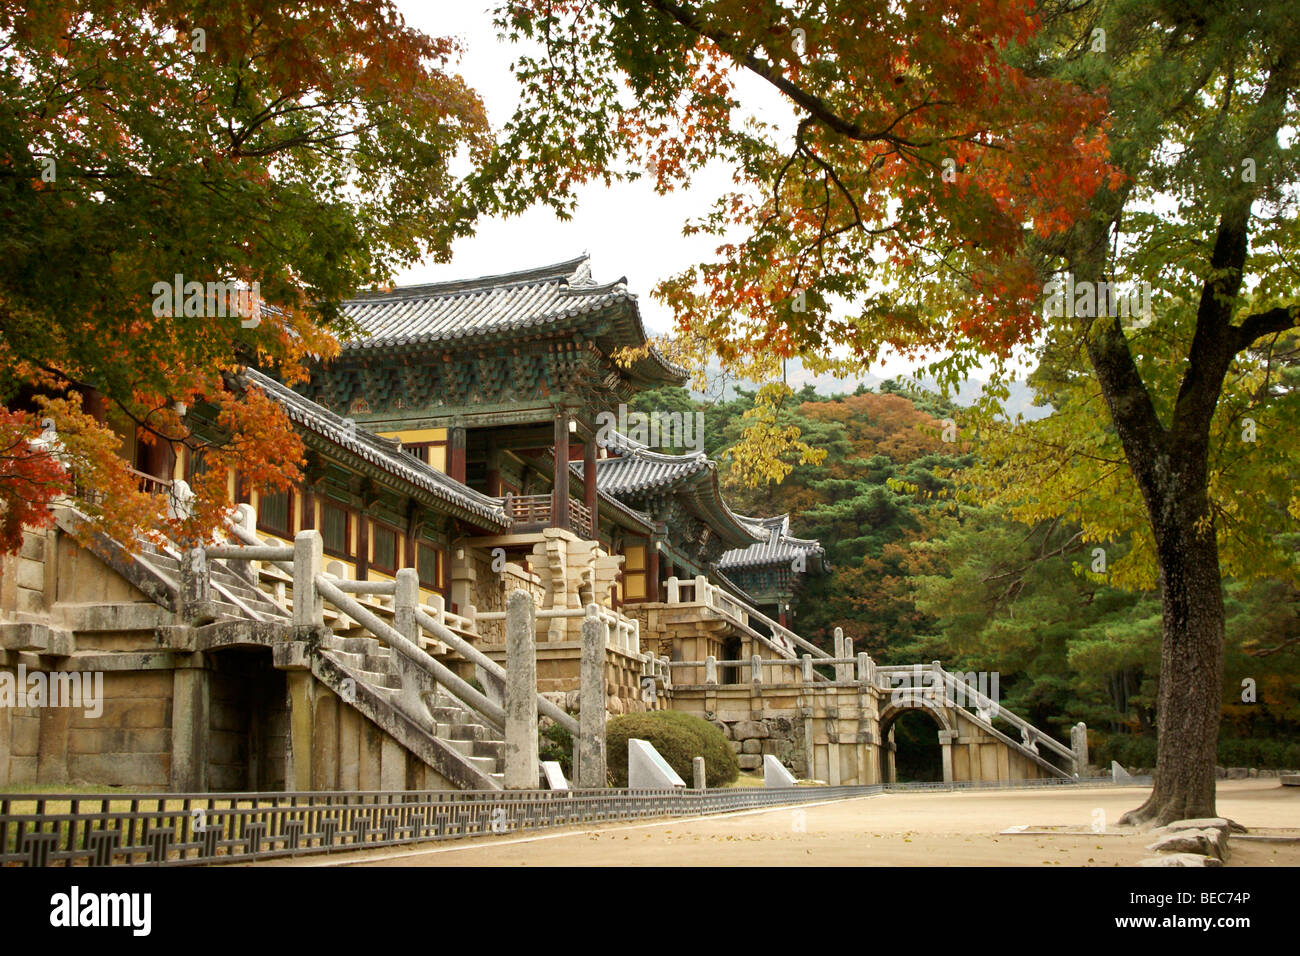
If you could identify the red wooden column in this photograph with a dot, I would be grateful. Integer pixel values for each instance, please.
(589, 486)
(652, 570)
(456, 454)
(560, 499)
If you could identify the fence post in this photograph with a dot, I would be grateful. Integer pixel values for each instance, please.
(591, 717)
(521, 692)
(710, 670)
(308, 555)
(756, 669)
(807, 670)
(674, 591)
(864, 668)
(839, 652)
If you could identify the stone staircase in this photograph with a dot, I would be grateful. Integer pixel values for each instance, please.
(234, 597)
(372, 664)
(439, 729)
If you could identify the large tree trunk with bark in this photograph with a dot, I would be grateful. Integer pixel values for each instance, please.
(1191, 665)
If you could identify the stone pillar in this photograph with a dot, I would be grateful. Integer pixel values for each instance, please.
(710, 670)
(809, 756)
(589, 486)
(301, 700)
(839, 652)
(521, 692)
(1079, 744)
(308, 556)
(591, 718)
(946, 738)
(807, 669)
(756, 669)
(864, 668)
(560, 495)
(190, 699)
(697, 771)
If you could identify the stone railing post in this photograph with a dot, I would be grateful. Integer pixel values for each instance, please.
(1079, 744)
(756, 669)
(406, 599)
(246, 519)
(521, 692)
(807, 672)
(702, 590)
(864, 667)
(939, 686)
(710, 670)
(839, 652)
(196, 584)
(308, 555)
(591, 717)
(674, 591)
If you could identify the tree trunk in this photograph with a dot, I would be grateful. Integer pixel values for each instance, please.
(1191, 666)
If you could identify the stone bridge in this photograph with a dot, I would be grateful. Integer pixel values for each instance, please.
(840, 727)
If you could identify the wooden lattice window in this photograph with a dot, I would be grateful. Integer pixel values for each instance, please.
(336, 530)
(384, 548)
(275, 513)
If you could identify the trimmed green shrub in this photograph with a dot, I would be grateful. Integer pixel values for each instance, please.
(678, 737)
(556, 743)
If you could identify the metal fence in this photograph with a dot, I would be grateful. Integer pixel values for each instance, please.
(178, 829)
(170, 829)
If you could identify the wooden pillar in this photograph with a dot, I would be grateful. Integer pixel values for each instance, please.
(363, 545)
(651, 570)
(560, 506)
(456, 454)
(589, 486)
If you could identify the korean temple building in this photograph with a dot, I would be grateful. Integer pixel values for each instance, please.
(458, 437)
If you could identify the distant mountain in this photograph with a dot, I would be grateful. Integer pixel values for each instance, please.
(1020, 401)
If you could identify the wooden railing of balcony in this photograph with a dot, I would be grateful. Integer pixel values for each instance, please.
(538, 511)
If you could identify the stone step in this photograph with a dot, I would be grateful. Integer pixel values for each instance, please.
(485, 765)
(478, 748)
(379, 679)
(367, 646)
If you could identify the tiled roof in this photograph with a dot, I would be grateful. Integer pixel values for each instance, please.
(644, 471)
(638, 472)
(779, 546)
(381, 452)
(448, 313)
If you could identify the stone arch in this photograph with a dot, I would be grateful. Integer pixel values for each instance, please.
(915, 700)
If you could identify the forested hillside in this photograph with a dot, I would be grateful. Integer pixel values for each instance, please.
(921, 571)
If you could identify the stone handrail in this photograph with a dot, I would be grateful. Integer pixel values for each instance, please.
(865, 668)
(475, 656)
(408, 649)
(958, 693)
(335, 591)
(701, 591)
(625, 632)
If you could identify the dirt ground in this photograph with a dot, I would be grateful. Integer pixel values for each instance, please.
(898, 829)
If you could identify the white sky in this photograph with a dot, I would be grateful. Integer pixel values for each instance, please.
(627, 229)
